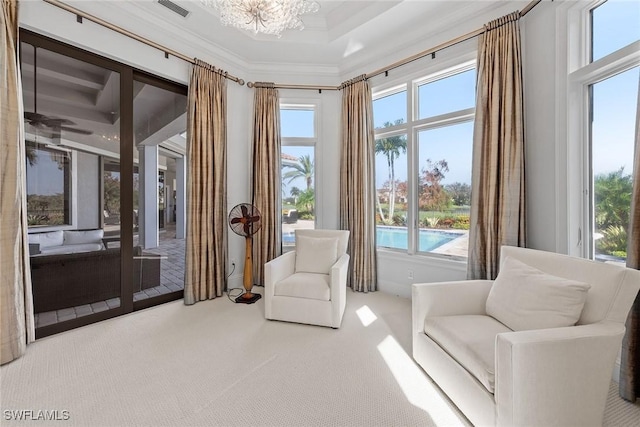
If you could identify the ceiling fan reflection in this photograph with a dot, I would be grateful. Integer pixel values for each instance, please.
(41, 121)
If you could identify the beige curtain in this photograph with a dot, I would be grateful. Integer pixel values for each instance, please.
(357, 183)
(16, 305)
(498, 186)
(206, 242)
(267, 194)
(630, 362)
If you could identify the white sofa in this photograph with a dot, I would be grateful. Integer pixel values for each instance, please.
(529, 374)
(309, 285)
(66, 241)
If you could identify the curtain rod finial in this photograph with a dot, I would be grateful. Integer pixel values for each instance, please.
(250, 84)
(241, 82)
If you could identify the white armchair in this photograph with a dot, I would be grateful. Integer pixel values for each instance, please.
(309, 285)
(533, 367)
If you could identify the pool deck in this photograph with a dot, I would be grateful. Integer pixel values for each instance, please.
(456, 247)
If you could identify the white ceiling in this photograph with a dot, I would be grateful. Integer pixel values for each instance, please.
(342, 32)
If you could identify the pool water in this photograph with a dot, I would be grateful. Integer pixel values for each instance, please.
(289, 238)
(396, 237)
(392, 237)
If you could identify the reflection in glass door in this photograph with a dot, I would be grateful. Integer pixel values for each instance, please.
(159, 122)
(72, 140)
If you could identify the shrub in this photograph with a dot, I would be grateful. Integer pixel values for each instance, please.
(614, 239)
(462, 222)
(432, 221)
(399, 220)
(305, 215)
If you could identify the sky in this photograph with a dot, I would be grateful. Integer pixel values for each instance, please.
(296, 123)
(615, 25)
(45, 177)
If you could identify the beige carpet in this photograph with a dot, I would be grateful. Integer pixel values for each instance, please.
(218, 363)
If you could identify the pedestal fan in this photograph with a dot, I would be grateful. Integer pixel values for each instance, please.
(245, 220)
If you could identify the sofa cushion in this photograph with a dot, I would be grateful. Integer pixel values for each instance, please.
(45, 240)
(470, 341)
(315, 254)
(523, 297)
(304, 285)
(70, 249)
(78, 237)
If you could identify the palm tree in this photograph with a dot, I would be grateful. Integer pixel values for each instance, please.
(294, 192)
(391, 148)
(302, 169)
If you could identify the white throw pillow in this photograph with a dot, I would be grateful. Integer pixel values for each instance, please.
(315, 254)
(523, 297)
(48, 239)
(76, 237)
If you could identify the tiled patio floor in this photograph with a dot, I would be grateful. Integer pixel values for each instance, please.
(171, 280)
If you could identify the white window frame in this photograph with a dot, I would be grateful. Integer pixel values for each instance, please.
(575, 75)
(413, 126)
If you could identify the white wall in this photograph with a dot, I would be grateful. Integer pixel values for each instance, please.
(239, 122)
(541, 118)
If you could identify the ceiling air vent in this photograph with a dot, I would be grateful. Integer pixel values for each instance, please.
(174, 8)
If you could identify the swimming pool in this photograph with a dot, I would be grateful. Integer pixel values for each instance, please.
(396, 237)
(288, 238)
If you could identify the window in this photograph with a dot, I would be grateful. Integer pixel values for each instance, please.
(423, 166)
(444, 187)
(614, 25)
(299, 136)
(390, 108)
(605, 79)
(48, 185)
(613, 112)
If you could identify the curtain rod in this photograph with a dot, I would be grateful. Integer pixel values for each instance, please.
(80, 14)
(283, 86)
(412, 58)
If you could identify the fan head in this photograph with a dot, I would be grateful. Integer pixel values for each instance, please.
(245, 219)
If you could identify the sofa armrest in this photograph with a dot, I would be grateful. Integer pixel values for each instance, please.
(338, 283)
(278, 269)
(556, 376)
(447, 299)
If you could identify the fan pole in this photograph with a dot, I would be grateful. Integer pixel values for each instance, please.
(248, 297)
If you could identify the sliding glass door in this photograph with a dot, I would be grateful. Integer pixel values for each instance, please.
(105, 159)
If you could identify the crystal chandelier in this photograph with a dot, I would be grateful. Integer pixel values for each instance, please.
(263, 16)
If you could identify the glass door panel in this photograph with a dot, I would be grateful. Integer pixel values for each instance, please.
(160, 122)
(72, 142)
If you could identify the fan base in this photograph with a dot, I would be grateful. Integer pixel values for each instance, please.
(253, 298)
